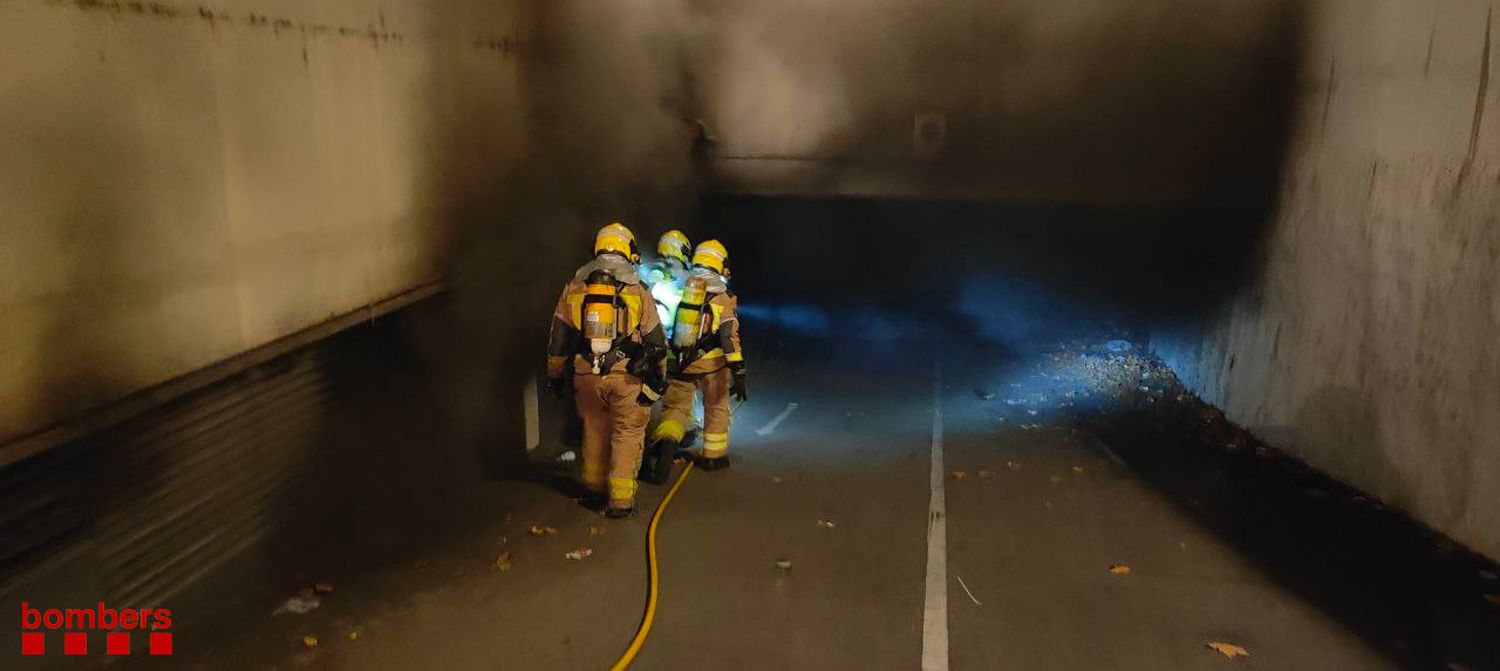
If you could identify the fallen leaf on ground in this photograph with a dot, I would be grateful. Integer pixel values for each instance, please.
(784, 564)
(583, 552)
(986, 474)
(323, 588)
(354, 635)
(1013, 465)
(309, 641)
(959, 475)
(1077, 470)
(1119, 569)
(596, 531)
(1228, 649)
(539, 530)
(502, 561)
(826, 524)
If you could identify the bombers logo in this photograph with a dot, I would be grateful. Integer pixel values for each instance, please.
(79, 624)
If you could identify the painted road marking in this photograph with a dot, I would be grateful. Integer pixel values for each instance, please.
(935, 604)
(767, 429)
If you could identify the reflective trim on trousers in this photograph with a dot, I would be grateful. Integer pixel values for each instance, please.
(715, 445)
(622, 489)
(669, 429)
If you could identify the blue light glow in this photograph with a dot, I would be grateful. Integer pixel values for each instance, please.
(799, 319)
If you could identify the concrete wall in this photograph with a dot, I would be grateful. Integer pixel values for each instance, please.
(1368, 343)
(180, 182)
(1163, 101)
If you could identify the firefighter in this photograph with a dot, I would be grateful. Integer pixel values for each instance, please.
(607, 333)
(706, 358)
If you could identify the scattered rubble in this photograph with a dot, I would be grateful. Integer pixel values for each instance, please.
(826, 524)
(502, 561)
(1119, 569)
(581, 553)
(784, 564)
(539, 530)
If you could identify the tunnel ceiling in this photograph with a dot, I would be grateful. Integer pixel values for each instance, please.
(1156, 102)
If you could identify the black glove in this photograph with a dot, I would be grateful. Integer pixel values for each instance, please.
(555, 385)
(651, 391)
(737, 383)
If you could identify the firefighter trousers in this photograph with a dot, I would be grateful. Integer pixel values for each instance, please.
(677, 414)
(614, 431)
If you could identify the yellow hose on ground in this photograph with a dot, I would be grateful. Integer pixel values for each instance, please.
(652, 581)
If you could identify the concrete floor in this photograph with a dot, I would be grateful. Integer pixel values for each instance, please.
(1033, 526)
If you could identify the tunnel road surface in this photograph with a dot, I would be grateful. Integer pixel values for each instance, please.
(1056, 556)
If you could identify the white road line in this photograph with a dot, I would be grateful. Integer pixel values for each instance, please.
(935, 604)
(767, 429)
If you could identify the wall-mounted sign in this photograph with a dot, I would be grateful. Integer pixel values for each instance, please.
(929, 133)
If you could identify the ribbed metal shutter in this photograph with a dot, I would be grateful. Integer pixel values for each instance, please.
(145, 509)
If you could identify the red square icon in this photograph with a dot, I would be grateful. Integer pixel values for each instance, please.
(33, 643)
(117, 643)
(161, 642)
(75, 643)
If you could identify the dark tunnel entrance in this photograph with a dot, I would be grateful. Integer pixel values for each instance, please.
(1011, 275)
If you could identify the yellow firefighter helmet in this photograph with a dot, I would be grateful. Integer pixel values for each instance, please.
(711, 255)
(674, 245)
(618, 239)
